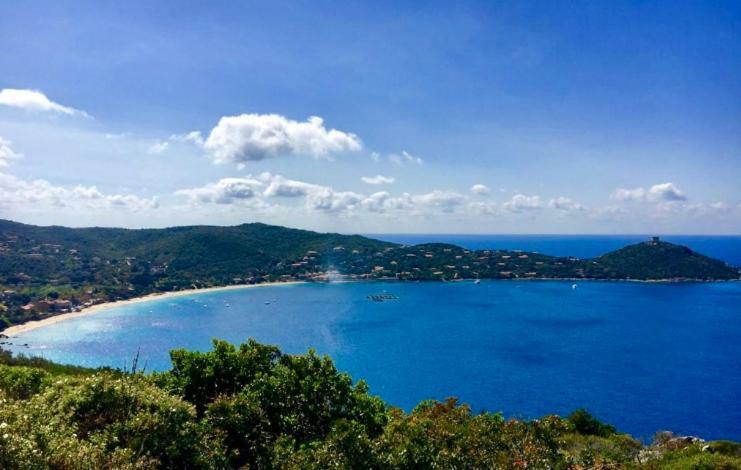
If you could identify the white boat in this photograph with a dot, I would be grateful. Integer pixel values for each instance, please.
(477, 281)
(574, 286)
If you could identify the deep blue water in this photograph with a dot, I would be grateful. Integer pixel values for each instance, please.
(726, 248)
(644, 357)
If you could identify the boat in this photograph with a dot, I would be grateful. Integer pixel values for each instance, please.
(383, 297)
(574, 286)
(477, 281)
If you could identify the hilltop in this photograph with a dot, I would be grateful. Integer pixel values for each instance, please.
(49, 270)
(656, 259)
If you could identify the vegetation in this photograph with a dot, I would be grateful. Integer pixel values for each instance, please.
(659, 260)
(253, 407)
(48, 270)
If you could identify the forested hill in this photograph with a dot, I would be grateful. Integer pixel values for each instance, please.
(47, 270)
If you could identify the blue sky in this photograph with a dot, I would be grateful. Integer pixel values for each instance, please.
(474, 117)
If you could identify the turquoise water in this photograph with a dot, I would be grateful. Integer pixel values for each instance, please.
(644, 357)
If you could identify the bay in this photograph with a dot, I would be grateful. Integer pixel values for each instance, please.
(642, 356)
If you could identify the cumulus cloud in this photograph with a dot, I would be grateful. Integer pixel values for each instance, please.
(384, 202)
(287, 195)
(7, 153)
(624, 194)
(565, 204)
(318, 197)
(446, 201)
(21, 193)
(521, 203)
(282, 187)
(224, 191)
(35, 100)
(328, 200)
(378, 179)
(255, 137)
(480, 189)
(238, 190)
(663, 192)
(322, 198)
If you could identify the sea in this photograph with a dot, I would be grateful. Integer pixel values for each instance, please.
(644, 357)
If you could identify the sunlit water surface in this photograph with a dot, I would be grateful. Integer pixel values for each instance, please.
(642, 356)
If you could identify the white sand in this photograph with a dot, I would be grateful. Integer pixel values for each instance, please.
(18, 329)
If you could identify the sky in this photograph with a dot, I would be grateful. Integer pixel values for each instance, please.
(374, 117)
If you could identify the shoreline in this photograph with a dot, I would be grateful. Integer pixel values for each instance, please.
(93, 309)
(34, 324)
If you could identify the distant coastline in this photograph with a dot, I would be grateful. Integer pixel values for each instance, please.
(59, 270)
(51, 320)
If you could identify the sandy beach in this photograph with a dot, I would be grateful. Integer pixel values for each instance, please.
(18, 329)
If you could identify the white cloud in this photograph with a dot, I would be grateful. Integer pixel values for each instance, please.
(37, 194)
(446, 201)
(7, 153)
(521, 202)
(238, 190)
(322, 198)
(663, 192)
(565, 204)
(194, 137)
(378, 179)
(480, 189)
(293, 199)
(158, 147)
(328, 200)
(383, 202)
(224, 191)
(282, 187)
(254, 137)
(404, 158)
(483, 208)
(318, 197)
(35, 100)
(634, 194)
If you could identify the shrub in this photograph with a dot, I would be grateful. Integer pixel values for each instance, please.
(21, 382)
(253, 407)
(584, 423)
(102, 420)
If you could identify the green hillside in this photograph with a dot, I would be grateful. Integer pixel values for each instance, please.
(662, 260)
(50, 270)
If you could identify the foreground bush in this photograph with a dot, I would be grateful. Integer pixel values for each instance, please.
(253, 407)
(104, 421)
